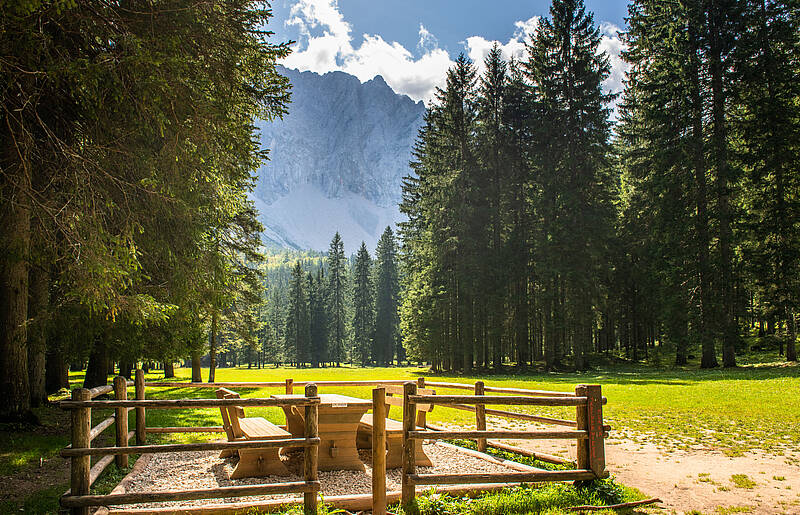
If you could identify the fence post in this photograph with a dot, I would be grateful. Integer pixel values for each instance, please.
(480, 416)
(141, 427)
(80, 465)
(311, 454)
(289, 387)
(409, 420)
(596, 442)
(121, 420)
(581, 417)
(379, 451)
(422, 416)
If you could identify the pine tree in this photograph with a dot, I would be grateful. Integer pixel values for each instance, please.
(319, 320)
(363, 306)
(566, 72)
(297, 320)
(386, 343)
(336, 291)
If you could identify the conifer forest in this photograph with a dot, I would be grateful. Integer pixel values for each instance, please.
(548, 224)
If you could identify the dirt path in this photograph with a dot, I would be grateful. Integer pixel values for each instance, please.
(700, 480)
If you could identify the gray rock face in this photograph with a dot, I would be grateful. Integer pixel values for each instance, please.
(336, 161)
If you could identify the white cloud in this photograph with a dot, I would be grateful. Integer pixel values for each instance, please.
(478, 47)
(327, 44)
(333, 49)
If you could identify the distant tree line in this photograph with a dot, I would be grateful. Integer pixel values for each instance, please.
(325, 309)
(128, 151)
(537, 232)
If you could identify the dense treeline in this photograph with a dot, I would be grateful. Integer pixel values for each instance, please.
(537, 233)
(324, 309)
(127, 154)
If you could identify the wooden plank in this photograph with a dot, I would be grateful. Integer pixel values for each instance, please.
(409, 462)
(121, 420)
(311, 454)
(596, 442)
(582, 452)
(141, 424)
(80, 465)
(497, 399)
(271, 384)
(505, 477)
(549, 458)
(189, 447)
(189, 403)
(505, 435)
(379, 451)
(75, 501)
(193, 429)
(480, 415)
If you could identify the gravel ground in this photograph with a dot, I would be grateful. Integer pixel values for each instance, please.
(193, 470)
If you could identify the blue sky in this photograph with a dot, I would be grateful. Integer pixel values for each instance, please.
(411, 43)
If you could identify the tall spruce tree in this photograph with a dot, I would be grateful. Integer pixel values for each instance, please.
(297, 320)
(336, 293)
(363, 306)
(386, 343)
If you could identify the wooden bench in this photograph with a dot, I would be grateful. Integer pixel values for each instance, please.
(252, 462)
(394, 429)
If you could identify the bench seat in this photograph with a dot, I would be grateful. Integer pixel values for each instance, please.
(394, 430)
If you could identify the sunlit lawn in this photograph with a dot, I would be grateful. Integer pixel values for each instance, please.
(751, 407)
(730, 410)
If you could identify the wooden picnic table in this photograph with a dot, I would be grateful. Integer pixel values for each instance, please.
(339, 416)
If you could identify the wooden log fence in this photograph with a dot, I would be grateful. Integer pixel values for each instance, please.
(587, 429)
(589, 433)
(80, 451)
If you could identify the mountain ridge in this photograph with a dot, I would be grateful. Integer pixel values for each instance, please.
(336, 161)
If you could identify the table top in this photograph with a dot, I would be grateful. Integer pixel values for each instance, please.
(330, 399)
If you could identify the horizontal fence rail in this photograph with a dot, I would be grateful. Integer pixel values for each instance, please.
(193, 447)
(189, 495)
(498, 399)
(191, 403)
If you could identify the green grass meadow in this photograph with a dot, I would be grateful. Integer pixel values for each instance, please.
(750, 408)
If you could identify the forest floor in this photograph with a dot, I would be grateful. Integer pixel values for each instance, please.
(712, 442)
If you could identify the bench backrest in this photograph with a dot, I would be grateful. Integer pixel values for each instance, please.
(230, 414)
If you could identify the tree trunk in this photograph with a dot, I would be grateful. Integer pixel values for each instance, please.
(213, 348)
(38, 307)
(56, 370)
(15, 220)
(719, 138)
(125, 367)
(791, 349)
(97, 370)
(709, 357)
(197, 376)
(169, 369)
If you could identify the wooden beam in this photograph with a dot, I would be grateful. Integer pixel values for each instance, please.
(80, 465)
(141, 424)
(192, 429)
(409, 454)
(506, 435)
(505, 477)
(79, 501)
(311, 453)
(379, 451)
(189, 447)
(121, 420)
(189, 403)
(440, 400)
